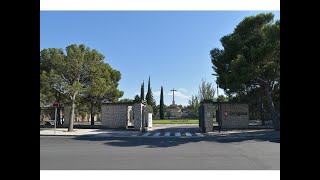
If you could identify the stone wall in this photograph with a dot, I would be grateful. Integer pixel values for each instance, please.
(114, 115)
(234, 116)
(47, 113)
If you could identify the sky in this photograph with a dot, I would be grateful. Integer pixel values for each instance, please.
(172, 47)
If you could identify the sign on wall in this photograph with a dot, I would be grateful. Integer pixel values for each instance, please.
(235, 115)
(232, 113)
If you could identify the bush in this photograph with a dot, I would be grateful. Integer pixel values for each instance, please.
(149, 108)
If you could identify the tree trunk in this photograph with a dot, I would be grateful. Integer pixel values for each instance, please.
(58, 116)
(262, 112)
(59, 108)
(70, 128)
(91, 114)
(274, 117)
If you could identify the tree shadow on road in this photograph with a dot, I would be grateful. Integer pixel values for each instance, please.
(166, 142)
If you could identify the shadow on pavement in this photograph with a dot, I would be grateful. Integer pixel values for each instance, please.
(165, 142)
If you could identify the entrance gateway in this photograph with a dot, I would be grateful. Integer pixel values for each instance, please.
(135, 115)
(126, 115)
(228, 115)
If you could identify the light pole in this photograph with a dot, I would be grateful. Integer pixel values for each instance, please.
(217, 112)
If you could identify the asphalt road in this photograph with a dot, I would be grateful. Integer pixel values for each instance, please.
(126, 153)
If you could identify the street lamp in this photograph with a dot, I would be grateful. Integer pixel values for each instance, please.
(217, 112)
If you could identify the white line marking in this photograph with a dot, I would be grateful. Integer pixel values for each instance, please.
(188, 134)
(146, 134)
(177, 134)
(157, 134)
(198, 134)
(167, 134)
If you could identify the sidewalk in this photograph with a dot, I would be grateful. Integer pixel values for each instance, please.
(246, 133)
(81, 132)
(131, 133)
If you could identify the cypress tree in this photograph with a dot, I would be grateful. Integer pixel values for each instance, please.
(149, 94)
(149, 97)
(142, 92)
(161, 104)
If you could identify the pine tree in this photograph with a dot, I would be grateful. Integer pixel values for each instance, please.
(161, 104)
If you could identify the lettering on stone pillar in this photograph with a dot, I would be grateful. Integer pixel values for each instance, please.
(232, 113)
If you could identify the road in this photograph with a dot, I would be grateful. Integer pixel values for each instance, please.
(125, 153)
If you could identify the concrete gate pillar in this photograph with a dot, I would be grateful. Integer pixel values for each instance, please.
(137, 115)
(208, 115)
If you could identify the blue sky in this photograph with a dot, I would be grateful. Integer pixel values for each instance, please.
(172, 47)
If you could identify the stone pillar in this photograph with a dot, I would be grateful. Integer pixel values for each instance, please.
(137, 115)
(67, 111)
(208, 116)
(129, 115)
(234, 116)
(201, 118)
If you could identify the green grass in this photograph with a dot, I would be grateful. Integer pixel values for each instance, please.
(176, 121)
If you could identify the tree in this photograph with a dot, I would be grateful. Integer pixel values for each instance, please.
(161, 104)
(149, 97)
(47, 94)
(251, 59)
(194, 104)
(77, 73)
(168, 114)
(222, 98)
(137, 98)
(206, 91)
(142, 92)
(102, 83)
(126, 100)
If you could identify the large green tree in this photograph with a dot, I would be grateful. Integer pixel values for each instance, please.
(80, 72)
(102, 83)
(47, 94)
(161, 104)
(250, 59)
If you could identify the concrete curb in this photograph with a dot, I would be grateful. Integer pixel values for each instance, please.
(58, 135)
(96, 135)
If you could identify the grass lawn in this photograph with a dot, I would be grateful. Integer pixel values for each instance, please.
(178, 121)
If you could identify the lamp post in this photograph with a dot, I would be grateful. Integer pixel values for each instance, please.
(217, 112)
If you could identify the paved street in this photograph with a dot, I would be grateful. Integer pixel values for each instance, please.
(233, 151)
(173, 130)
